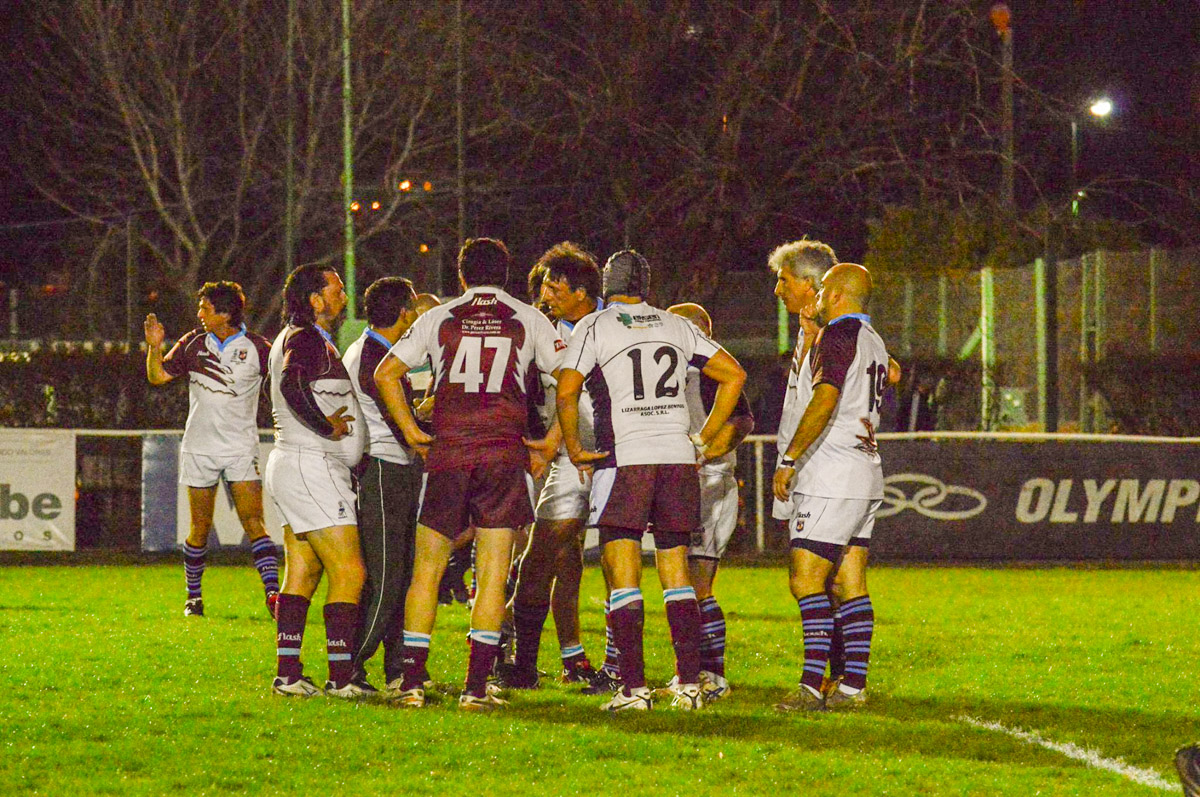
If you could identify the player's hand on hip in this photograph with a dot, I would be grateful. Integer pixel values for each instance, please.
(423, 409)
(155, 334)
(418, 440)
(341, 423)
(541, 454)
(584, 461)
(782, 486)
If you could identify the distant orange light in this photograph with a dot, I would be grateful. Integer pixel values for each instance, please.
(405, 185)
(423, 248)
(375, 205)
(428, 186)
(355, 207)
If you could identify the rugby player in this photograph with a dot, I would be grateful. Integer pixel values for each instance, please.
(389, 483)
(718, 508)
(225, 366)
(309, 479)
(831, 473)
(635, 359)
(482, 345)
(569, 286)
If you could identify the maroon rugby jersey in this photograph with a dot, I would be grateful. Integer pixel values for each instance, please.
(482, 345)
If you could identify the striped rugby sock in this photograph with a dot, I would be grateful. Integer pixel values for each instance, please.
(612, 656)
(816, 616)
(858, 625)
(572, 655)
(266, 563)
(837, 644)
(485, 647)
(683, 616)
(628, 619)
(193, 567)
(341, 627)
(712, 636)
(415, 654)
(291, 615)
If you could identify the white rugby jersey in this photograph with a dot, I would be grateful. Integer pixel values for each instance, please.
(482, 345)
(308, 383)
(844, 461)
(224, 379)
(384, 439)
(587, 431)
(795, 399)
(634, 359)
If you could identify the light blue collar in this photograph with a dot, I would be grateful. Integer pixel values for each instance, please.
(370, 333)
(221, 344)
(866, 319)
(324, 334)
(599, 307)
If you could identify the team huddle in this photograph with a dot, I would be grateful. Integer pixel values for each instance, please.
(517, 426)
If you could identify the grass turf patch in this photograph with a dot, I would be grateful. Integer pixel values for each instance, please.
(108, 689)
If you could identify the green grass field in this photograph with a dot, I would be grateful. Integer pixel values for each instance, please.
(106, 688)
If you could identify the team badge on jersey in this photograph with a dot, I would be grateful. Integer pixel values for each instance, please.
(241, 355)
(867, 443)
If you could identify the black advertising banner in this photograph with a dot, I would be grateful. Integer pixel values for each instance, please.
(968, 499)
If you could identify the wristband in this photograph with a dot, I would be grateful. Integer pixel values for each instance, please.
(787, 462)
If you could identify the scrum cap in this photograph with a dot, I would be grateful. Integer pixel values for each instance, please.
(626, 274)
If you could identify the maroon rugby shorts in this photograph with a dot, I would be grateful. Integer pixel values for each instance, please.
(487, 496)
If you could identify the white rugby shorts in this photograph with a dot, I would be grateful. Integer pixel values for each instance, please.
(197, 470)
(834, 521)
(718, 513)
(311, 489)
(563, 497)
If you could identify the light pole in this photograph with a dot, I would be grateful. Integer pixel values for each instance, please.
(1100, 109)
(1091, 281)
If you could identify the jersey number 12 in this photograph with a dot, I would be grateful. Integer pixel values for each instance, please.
(662, 389)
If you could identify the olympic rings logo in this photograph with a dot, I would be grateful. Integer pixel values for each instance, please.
(927, 498)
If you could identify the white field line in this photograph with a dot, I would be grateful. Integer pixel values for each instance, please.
(1092, 758)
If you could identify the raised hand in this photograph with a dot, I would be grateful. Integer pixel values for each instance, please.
(155, 334)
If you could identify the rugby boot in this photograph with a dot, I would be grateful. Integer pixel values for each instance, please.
(581, 673)
(194, 607)
(840, 698)
(602, 683)
(294, 687)
(1187, 764)
(351, 690)
(803, 699)
(640, 699)
(714, 686)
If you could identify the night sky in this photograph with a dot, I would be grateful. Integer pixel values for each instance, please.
(1144, 54)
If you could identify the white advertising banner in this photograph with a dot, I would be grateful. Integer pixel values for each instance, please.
(225, 519)
(37, 489)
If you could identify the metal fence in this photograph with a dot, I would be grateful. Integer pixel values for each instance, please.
(1140, 301)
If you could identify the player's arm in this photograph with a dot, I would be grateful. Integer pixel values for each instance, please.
(816, 417)
(566, 400)
(729, 376)
(301, 353)
(389, 376)
(730, 436)
(155, 335)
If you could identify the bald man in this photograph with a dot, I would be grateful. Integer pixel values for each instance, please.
(718, 508)
(832, 475)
